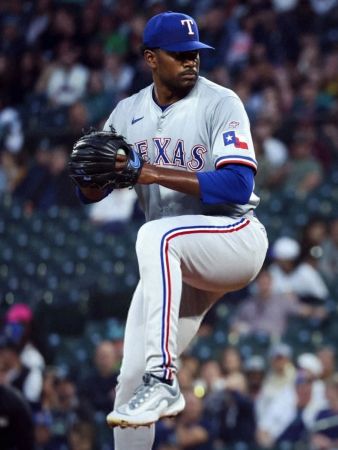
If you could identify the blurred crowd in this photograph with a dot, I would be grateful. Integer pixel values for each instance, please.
(258, 401)
(63, 67)
(65, 64)
(64, 410)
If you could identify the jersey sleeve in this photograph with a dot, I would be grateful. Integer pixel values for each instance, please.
(231, 135)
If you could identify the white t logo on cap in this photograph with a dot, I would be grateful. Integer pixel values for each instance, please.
(189, 23)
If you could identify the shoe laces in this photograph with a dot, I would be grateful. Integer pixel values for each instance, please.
(143, 392)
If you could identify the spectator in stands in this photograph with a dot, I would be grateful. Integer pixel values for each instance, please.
(231, 412)
(62, 26)
(113, 38)
(281, 371)
(311, 364)
(266, 312)
(19, 327)
(314, 233)
(300, 404)
(304, 173)
(78, 119)
(217, 30)
(13, 170)
(220, 76)
(264, 99)
(97, 100)
(325, 429)
(209, 378)
(328, 264)
(93, 54)
(291, 275)
(57, 192)
(252, 101)
(51, 421)
(141, 77)
(309, 57)
(12, 41)
(49, 396)
(231, 361)
(135, 34)
(327, 356)
(240, 43)
(27, 380)
(47, 181)
(88, 28)
(43, 431)
(323, 9)
(308, 105)
(328, 71)
(30, 67)
(328, 134)
(92, 108)
(189, 369)
(165, 435)
(322, 150)
(36, 175)
(276, 390)
(67, 80)
(7, 80)
(67, 409)
(295, 429)
(191, 430)
(11, 133)
(81, 436)
(16, 425)
(254, 369)
(39, 21)
(309, 263)
(272, 155)
(117, 76)
(98, 389)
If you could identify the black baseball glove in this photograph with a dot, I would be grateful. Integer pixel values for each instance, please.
(93, 161)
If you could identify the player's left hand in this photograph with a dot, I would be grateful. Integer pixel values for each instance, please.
(102, 159)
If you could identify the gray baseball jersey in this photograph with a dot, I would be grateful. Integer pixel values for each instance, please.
(207, 129)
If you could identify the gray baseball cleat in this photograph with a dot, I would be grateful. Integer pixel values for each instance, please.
(151, 401)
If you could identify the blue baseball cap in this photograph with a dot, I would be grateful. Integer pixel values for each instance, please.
(174, 32)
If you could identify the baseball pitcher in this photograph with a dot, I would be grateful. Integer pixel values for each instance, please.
(184, 142)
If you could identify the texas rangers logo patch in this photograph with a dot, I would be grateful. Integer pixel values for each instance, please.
(233, 124)
(231, 138)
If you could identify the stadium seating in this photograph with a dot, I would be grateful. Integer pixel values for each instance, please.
(76, 277)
